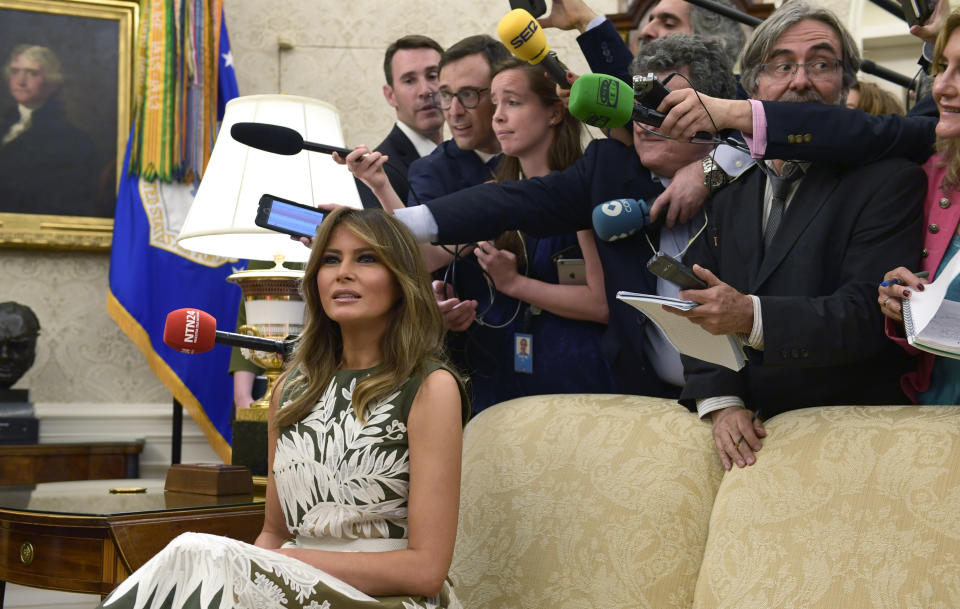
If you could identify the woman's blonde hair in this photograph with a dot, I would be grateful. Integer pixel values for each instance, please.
(874, 100)
(949, 147)
(413, 336)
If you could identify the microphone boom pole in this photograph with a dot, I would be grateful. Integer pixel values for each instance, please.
(896, 78)
(891, 7)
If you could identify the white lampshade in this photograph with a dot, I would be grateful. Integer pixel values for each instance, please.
(221, 218)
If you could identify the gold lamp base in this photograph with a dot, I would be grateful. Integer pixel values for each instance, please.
(274, 309)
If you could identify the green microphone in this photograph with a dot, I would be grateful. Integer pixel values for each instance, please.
(605, 102)
(602, 101)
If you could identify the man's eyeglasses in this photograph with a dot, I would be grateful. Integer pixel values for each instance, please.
(469, 97)
(815, 69)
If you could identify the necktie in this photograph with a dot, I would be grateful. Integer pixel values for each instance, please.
(780, 187)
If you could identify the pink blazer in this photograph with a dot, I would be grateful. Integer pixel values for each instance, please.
(943, 211)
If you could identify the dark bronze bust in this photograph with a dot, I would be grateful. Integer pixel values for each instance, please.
(19, 329)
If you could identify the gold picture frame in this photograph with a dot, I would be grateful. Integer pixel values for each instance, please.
(86, 36)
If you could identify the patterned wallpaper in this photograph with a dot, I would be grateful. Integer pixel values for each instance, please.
(81, 355)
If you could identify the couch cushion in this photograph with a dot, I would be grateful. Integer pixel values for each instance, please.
(846, 507)
(584, 501)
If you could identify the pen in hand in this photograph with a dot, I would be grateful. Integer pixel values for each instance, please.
(896, 280)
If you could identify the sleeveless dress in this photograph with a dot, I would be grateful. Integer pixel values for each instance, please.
(342, 486)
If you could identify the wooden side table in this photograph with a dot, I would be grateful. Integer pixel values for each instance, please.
(34, 463)
(78, 537)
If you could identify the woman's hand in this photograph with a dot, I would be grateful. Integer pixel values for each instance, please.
(366, 166)
(501, 265)
(457, 314)
(900, 284)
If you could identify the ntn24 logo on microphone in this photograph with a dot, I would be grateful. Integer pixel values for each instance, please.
(191, 326)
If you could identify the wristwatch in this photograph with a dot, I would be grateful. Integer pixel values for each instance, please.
(714, 178)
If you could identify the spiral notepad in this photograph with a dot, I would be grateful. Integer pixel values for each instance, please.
(930, 319)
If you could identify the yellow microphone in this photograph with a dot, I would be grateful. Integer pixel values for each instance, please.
(521, 33)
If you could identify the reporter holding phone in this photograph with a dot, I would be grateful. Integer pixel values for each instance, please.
(560, 326)
(936, 380)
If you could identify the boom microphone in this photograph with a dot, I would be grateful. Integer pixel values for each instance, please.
(195, 331)
(278, 140)
(896, 78)
(521, 33)
(621, 218)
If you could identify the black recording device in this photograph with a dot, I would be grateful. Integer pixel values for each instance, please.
(674, 271)
(288, 217)
(534, 7)
(917, 12)
(649, 92)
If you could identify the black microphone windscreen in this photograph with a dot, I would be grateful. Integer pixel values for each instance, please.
(271, 138)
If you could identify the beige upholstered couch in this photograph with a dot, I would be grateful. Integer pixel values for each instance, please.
(602, 501)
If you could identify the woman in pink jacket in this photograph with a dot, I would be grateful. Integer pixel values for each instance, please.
(936, 379)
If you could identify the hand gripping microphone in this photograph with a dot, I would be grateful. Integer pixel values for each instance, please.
(279, 140)
(605, 102)
(620, 218)
(521, 33)
(195, 331)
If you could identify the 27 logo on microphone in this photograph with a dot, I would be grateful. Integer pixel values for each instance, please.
(525, 35)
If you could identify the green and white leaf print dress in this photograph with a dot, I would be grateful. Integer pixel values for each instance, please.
(342, 486)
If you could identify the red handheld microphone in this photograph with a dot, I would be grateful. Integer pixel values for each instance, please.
(195, 331)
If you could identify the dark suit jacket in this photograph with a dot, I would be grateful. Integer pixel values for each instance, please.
(826, 133)
(823, 330)
(606, 52)
(51, 168)
(562, 202)
(402, 154)
(810, 132)
(447, 169)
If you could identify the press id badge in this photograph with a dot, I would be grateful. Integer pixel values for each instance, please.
(523, 353)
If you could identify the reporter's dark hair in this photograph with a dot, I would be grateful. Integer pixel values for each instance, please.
(413, 41)
(492, 50)
(704, 58)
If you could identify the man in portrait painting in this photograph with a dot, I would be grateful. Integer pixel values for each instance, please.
(47, 164)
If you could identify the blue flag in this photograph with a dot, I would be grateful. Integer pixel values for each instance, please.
(228, 80)
(150, 275)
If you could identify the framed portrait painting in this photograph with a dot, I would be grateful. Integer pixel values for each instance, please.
(65, 110)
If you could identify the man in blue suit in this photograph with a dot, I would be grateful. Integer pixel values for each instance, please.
(471, 157)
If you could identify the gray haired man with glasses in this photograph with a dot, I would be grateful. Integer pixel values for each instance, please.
(464, 96)
(794, 251)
